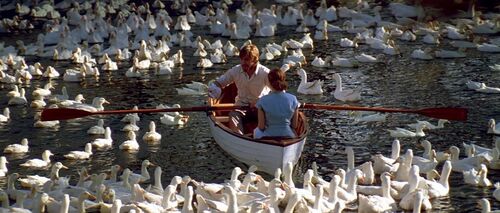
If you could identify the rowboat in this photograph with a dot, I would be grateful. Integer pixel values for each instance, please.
(268, 153)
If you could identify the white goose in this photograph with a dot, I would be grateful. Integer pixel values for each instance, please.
(3, 166)
(80, 155)
(105, 142)
(484, 203)
(308, 88)
(14, 92)
(442, 187)
(385, 164)
(476, 178)
(17, 148)
(460, 165)
(45, 91)
(345, 95)
(319, 62)
(375, 203)
(493, 128)
(152, 136)
(131, 144)
(38, 102)
(404, 133)
(428, 125)
(486, 89)
(97, 129)
(429, 152)
(5, 116)
(365, 58)
(39, 163)
(19, 100)
(97, 105)
(177, 119)
(496, 193)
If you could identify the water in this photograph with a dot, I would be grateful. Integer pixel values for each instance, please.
(189, 150)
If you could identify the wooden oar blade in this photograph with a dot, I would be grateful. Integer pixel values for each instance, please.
(51, 114)
(449, 113)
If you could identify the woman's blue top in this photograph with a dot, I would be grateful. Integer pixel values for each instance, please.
(278, 107)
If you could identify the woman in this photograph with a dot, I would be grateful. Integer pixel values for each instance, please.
(277, 111)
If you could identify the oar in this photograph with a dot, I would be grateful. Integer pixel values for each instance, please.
(458, 114)
(51, 114)
(450, 113)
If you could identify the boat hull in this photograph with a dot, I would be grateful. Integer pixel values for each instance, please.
(267, 157)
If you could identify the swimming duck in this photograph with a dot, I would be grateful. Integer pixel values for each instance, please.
(38, 102)
(80, 155)
(493, 128)
(308, 88)
(132, 126)
(131, 144)
(19, 100)
(98, 129)
(37, 163)
(97, 105)
(477, 178)
(5, 116)
(17, 148)
(151, 136)
(403, 133)
(486, 89)
(376, 203)
(428, 125)
(105, 142)
(422, 54)
(484, 203)
(345, 95)
(173, 120)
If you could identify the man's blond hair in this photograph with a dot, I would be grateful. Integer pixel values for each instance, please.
(249, 52)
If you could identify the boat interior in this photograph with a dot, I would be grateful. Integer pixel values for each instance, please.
(228, 98)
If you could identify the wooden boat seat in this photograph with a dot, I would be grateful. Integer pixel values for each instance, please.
(222, 119)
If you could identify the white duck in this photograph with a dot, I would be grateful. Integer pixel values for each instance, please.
(97, 105)
(442, 187)
(308, 88)
(345, 95)
(375, 203)
(496, 193)
(38, 102)
(105, 142)
(19, 100)
(5, 116)
(386, 164)
(476, 178)
(428, 152)
(45, 91)
(39, 163)
(486, 89)
(404, 133)
(97, 129)
(3, 166)
(460, 165)
(131, 144)
(80, 155)
(17, 148)
(177, 119)
(493, 128)
(428, 125)
(484, 203)
(152, 136)
(132, 126)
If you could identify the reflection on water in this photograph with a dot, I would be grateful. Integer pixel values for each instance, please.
(190, 150)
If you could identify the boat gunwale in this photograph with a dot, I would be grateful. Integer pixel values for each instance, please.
(283, 142)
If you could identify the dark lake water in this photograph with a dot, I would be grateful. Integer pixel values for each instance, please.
(402, 82)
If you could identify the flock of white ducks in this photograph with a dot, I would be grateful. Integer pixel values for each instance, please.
(63, 43)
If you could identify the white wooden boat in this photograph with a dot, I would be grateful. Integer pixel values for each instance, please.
(268, 153)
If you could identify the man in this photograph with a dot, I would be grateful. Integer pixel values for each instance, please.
(251, 80)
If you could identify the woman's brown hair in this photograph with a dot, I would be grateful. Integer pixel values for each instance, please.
(250, 51)
(277, 79)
